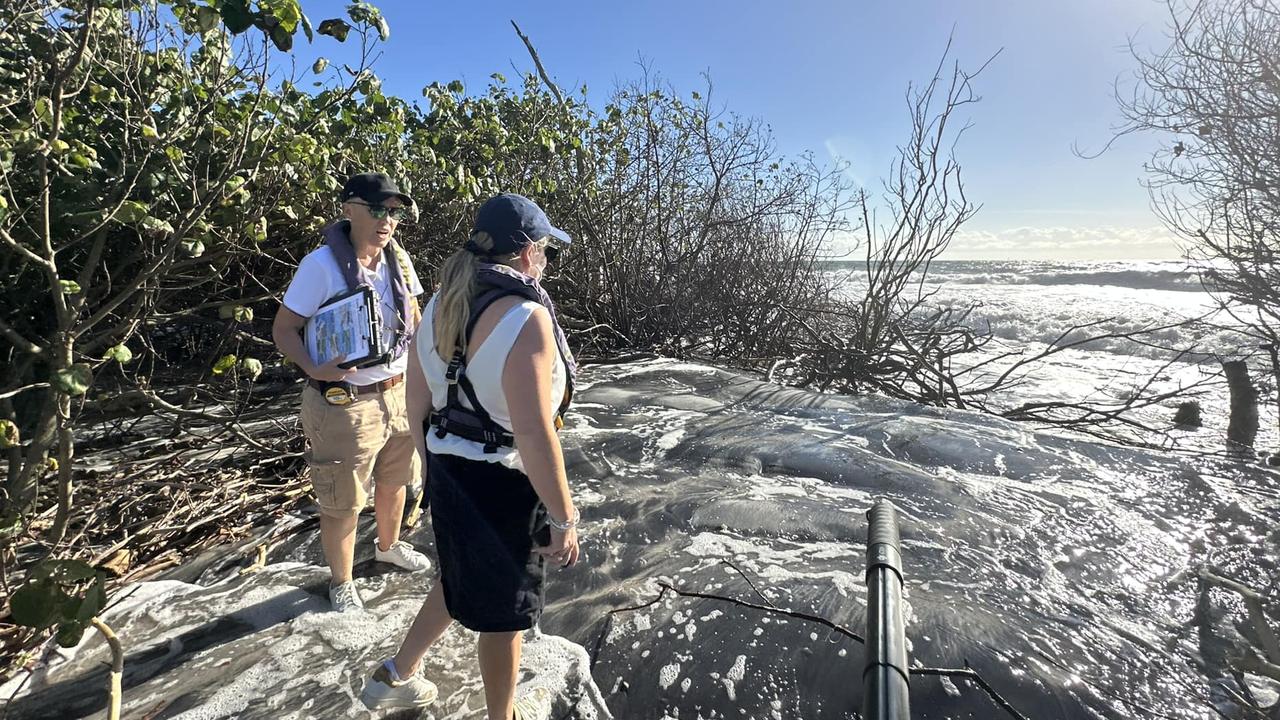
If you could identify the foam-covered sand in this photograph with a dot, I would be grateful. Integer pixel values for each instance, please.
(1056, 567)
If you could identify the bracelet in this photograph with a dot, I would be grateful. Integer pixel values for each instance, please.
(567, 525)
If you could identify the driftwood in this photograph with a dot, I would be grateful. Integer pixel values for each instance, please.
(155, 493)
(1243, 427)
(1255, 605)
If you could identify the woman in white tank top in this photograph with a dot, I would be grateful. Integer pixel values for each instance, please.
(499, 497)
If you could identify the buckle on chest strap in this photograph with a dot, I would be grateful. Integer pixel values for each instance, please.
(453, 373)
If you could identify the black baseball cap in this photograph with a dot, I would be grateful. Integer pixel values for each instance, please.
(372, 188)
(514, 221)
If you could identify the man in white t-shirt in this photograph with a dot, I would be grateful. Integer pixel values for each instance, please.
(354, 417)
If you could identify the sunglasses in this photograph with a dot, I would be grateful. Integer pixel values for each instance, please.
(380, 212)
(552, 252)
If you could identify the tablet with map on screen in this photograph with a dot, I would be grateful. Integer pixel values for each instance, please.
(345, 327)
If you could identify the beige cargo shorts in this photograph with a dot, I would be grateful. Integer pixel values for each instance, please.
(355, 445)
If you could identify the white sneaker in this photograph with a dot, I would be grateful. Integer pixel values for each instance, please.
(401, 554)
(345, 598)
(534, 705)
(384, 691)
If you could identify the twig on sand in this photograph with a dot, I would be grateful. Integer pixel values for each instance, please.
(753, 585)
(667, 587)
(117, 666)
(971, 675)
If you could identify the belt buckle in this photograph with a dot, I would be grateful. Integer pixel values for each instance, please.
(338, 395)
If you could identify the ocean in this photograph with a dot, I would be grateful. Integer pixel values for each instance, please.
(1027, 306)
(1066, 571)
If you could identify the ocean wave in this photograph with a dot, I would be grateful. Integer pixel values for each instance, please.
(1150, 275)
(1178, 280)
(1045, 312)
(1169, 321)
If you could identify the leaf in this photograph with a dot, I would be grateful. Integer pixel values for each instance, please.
(384, 30)
(59, 146)
(9, 435)
(306, 26)
(192, 248)
(239, 313)
(175, 154)
(206, 19)
(70, 633)
(236, 16)
(156, 225)
(149, 132)
(74, 380)
(455, 86)
(281, 38)
(131, 211)
(35, 604)
(120, 353)
(336, 28)
(286, 12)
(225, 363)
(251, 367)
(360, 12)
(319, 65)
(69, 287)
(66, 572)
(94, 600)
(44, 110)
(257, 231)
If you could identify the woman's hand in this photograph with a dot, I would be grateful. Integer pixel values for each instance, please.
(563, 548)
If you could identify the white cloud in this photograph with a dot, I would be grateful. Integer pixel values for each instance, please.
(1065, 243)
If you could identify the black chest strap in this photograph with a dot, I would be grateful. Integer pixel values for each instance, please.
(472, 423)
(475, 423)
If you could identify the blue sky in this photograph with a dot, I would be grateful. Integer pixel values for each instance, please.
(829, 76)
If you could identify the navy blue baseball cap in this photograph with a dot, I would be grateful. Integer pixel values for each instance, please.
(514, 221)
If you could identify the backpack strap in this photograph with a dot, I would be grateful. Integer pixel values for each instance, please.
(402, 258)
(472, 423)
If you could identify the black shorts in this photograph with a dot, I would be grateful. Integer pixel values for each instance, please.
(488, 522)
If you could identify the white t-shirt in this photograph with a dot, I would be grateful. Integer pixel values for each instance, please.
(318, 279)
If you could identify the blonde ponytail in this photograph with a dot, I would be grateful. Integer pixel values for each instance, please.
(458, 287)
(457, 282)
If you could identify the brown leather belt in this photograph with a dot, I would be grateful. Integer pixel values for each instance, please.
(377, 387)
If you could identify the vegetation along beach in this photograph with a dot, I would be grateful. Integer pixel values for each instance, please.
(756, 360)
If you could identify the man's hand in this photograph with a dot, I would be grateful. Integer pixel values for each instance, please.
(330, 372)
(563, 548)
